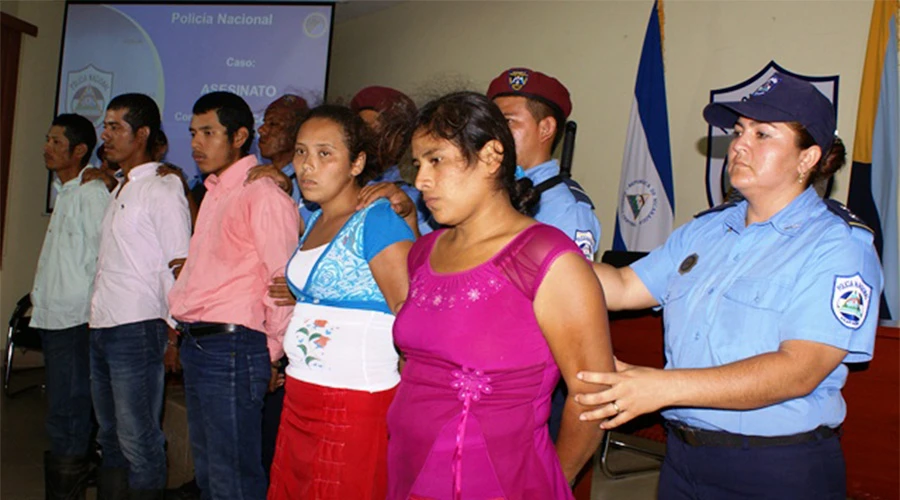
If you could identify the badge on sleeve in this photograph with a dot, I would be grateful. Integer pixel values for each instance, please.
(850, 300)
(688, 263)
(586, 242)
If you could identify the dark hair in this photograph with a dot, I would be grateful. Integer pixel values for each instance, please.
(101, 152)
(540, 110)
(830, 162)
(161, 146)
(233, 113)
(469, 121)
(396, 123)
(357, 137)
(78, 130)
(142, 112)
(298, 109)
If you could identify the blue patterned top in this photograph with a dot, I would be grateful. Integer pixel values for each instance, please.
(342, 277)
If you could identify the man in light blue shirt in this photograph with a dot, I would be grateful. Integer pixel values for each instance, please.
(61, 301)
(276, 143)
(536, 107)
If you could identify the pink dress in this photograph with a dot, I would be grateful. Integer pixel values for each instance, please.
(469, 420)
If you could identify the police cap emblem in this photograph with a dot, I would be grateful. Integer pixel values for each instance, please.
(518, 79)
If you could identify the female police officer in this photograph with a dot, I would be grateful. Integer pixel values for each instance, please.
(764, 300)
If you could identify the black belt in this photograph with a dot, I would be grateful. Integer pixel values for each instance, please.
(205, 329)
(693, 436)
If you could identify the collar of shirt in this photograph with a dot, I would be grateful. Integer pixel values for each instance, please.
(542, 172)
(234, 175)
(143, 170)
(787, 221)
(289, 170)
(71, 183)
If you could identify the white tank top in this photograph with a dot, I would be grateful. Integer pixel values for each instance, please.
(338, 347)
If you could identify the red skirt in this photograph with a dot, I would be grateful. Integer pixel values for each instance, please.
(332, 444)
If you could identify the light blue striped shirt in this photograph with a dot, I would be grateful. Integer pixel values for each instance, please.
(61, 297)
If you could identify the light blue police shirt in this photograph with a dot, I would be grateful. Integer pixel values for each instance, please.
(731, 291)
(559, 208)
(306, 209)
(426, 223)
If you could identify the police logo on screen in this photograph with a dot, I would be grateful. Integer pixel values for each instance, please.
(518, 79)
(850, 300)
(639, 202)
(88, 91)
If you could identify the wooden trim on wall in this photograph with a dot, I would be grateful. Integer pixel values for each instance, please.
(11, 30)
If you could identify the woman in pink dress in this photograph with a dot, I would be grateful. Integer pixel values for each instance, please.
(498, 306)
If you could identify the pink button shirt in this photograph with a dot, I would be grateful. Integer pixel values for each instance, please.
(147, 224)
(243, 239)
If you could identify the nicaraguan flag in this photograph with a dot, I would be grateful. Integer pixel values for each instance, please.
(876, 162)
(646, 203)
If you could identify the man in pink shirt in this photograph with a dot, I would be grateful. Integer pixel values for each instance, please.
(146, 226)
(231, 329)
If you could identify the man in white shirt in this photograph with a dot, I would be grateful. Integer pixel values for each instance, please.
(61, 300)
(146, 226)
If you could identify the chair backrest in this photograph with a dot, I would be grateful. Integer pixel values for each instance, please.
(23, 335)
(621, 258)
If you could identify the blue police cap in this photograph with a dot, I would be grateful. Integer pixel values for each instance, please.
(782, 98)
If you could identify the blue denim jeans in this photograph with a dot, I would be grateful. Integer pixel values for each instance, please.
(127, 381)
(225, 380)
(67, 358)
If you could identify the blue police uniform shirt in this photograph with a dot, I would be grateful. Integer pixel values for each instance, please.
(306, 209)
(732, 291)
(559, 208)
(423, 215)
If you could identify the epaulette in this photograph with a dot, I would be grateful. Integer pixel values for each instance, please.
(838, 208)
(578, 192)
(717, 208)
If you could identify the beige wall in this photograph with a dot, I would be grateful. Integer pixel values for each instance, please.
(25, 222)
(594, 47)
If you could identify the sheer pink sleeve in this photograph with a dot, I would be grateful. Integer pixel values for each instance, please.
(420, 251)
(526, 261)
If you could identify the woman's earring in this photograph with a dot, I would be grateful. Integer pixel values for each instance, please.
(800, 178)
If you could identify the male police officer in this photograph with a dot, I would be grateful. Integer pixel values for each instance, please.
(536, 107)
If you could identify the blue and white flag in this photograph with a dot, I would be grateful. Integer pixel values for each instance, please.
(876, 153)
(646, 206)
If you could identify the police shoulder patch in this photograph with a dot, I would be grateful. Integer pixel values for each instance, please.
(850, 300)
(717, 208)
(839, 209)
(586, 242)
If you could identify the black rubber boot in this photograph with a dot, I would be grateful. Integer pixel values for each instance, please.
(112, 483)
(65, 478)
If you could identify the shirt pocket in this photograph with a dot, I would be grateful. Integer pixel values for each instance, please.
(748, 319)
(676, 307)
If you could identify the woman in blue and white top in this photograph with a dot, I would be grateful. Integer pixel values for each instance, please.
(349, 278)
(765, 300)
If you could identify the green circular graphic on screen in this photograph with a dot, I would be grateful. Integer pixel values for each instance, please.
(315, 25)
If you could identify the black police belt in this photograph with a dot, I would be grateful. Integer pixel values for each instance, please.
(206, 329)
(693, 436)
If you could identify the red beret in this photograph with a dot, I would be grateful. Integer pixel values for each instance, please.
(380, 99)
(533, 84)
